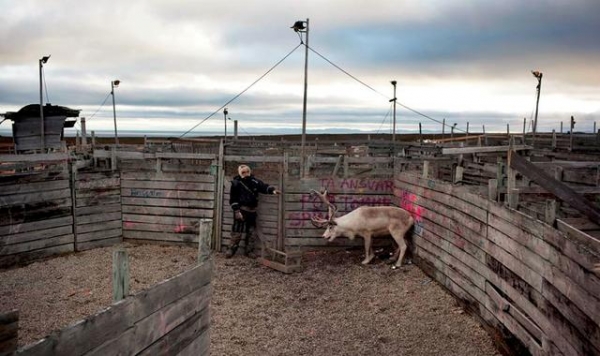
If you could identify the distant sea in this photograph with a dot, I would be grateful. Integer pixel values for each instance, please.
(69, 132)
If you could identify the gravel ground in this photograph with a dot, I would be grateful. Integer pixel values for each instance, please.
(334, 307)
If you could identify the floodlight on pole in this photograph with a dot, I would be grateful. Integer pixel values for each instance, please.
(302, 27)
(42, 61)
(113, 84)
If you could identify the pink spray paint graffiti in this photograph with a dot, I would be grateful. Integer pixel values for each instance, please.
(407, 202)
(313, 207)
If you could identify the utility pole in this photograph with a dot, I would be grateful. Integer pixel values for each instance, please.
(538, 76)
(43, 61)
(394, 100)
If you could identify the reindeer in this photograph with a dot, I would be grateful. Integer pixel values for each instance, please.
(367, 221)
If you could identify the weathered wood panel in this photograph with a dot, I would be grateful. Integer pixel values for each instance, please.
(532, 278)
(35, 216)
(97, 210)
(165, 206)
(166, 319)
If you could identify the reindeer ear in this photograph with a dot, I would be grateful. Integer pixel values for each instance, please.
(332, 223)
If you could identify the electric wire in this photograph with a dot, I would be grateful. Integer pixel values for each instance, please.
(243, 91)
(101, 106)
(385, 118)
(383, 95)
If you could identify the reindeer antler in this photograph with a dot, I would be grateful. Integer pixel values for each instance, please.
(332, 209)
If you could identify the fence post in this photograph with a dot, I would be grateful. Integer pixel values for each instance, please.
(120, 274)
(425, 169)
(550, 213)
(493, 189)
(204, 237)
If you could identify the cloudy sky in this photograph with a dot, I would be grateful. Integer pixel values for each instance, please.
(179, 62)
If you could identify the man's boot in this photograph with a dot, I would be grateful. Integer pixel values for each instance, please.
(231, 251)
(250, 242)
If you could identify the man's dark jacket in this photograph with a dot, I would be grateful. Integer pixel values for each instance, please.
(244, 192)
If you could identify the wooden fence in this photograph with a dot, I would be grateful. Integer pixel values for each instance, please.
(523, 278)
(165, 207)
(171, 318)
(96, 209)
(36, 218)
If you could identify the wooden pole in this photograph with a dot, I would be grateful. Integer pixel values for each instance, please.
(120, 275)
(443, 127)
(204, 238)
(420, 135)
(83, 132)
(553, 139)
(571, 135)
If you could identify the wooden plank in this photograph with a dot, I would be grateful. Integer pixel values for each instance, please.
(17, 228)
(91, 332)
(183, 336)
(98, 218)
(97, 183)
(167, 211)
(34, 187)
(98, 209)
(12, 260)
(37, 244)
(98, 199)
(21, 238)
(30, 198)
(200, 346)
(89, 245)
(166, 194)
(188, 238)
(108, 225)
(37, 157)
(180, 203)
(100, 234)
(558, 188)
(165, 220)
(153, 156)
(168, 185)
(341, 185)
(168, 177)
(485, 149)
(579, 236)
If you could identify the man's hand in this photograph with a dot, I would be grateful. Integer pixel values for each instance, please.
(238, 215)
(276, 192)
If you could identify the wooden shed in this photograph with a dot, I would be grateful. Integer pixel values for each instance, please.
(27, 126)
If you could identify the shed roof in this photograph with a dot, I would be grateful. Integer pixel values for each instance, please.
(33, 110)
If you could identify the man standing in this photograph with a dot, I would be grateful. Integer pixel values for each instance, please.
(243, 199)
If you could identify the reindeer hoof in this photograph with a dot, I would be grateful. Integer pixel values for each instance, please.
(394, 267)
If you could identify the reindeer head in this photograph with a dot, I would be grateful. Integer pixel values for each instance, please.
(329, 224)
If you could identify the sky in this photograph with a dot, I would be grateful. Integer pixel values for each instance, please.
(180, 63)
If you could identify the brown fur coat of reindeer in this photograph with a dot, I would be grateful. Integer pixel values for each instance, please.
(368, 222)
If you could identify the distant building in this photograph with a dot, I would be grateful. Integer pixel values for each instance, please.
(27, 126)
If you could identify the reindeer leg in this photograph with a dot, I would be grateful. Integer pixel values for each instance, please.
(398, 235)
(369, 254)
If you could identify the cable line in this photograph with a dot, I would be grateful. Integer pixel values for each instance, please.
(242, 92)
(383, 95)
(101, 105)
